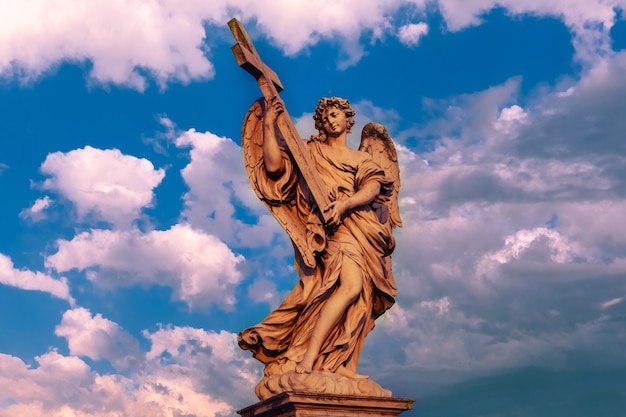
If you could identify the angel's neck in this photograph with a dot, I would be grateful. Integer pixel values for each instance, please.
(337, 141)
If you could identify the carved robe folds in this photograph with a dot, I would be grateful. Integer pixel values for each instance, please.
(364, 236)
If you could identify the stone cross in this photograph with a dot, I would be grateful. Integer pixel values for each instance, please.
(249, 59)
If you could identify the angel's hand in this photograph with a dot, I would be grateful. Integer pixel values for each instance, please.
(337, 209)
(273, 108)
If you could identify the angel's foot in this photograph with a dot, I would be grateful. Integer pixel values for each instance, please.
(343, 371)
(305, 366)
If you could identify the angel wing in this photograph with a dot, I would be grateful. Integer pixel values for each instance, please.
(376, 141)
(252, 144)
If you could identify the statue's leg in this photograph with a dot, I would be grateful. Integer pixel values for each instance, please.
(350, 286)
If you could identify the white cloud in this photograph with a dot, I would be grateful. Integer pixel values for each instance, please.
(347, 20)
(305, 125)
(41, 204)
(218, 184)
(30, 389)
(509, 118)
(536, 245)
(490, 182)
(583, 123)
(411, 34)
(470, 117)
(162, 139)
(293, 27)
(120, 38)
(3, 167)
(611, 303)
(264, 290)
(198, 267)
(98, 338)
(36, 212)
(212, 360)
(589, 21)
(560, 250)
(512, 248)
(187, 372)
(125, 40)
(428, 340)
(369, 112)
(106, 184)
(33, 281)
(595, 223)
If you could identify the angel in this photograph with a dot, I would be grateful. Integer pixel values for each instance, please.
(344, 264)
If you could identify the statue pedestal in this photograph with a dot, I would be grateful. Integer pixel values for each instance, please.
(310, 405)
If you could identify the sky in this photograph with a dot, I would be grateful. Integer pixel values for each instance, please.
(133, 249)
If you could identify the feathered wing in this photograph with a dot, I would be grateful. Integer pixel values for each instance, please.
(252, 144)
(376, 141)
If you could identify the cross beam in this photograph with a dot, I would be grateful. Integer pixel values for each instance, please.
(249, 59)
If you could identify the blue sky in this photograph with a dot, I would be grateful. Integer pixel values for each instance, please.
(133, 249)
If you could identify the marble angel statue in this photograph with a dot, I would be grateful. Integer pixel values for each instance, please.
(313, 340)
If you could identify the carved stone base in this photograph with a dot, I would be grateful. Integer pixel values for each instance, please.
(312, 405)
(318, 382)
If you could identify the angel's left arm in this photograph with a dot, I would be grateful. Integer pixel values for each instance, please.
(365, 195)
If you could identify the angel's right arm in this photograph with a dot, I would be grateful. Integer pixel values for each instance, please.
(274, 164)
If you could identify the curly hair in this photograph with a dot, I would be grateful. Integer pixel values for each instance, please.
(325, 102)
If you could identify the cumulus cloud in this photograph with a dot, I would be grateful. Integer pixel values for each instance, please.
(161, 140)
(510, 118)
(126, 41)
(123, 40)
(460, 14)
(369, 112)
(33, 281)
(293, 28)
(218, 186)
(589, 21)
(513, 248)
(186, 372)
(198, 267)
(411, 34)
(27, 391)
(585, 120)
(471, 117)
(212, 360)
(36, 212)
(98, 338)
(611, 303)
(429, 338)
(264, 290)
(105, 184)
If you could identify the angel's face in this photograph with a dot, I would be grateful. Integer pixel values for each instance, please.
(335, 121)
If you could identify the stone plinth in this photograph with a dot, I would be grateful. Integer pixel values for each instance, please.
(310, 405)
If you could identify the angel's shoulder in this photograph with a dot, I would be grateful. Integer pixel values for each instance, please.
(359, 155)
